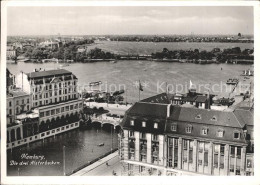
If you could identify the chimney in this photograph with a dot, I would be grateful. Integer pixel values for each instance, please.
(208, 107)
(168, 110)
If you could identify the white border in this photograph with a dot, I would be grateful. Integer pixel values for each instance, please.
(129, 180)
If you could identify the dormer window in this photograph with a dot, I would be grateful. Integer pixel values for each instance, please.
(189, 129)
(174, 127)
(220, 133)
(132, 123)
(143, 124)
(198, 116)
(155, 125)
(204, 131)
(214, 118)
(236, 135)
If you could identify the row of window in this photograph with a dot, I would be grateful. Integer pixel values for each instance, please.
(18, 102)
(50, 86)
(60, 110)
(55, 93)
(155, 125)
(65, 98)
(143, 135)
(205, 130)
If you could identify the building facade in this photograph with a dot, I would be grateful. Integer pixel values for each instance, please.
(47, 100)
(165, 139)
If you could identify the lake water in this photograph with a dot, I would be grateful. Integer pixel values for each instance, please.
(80, 147)
(115, 76)
(153, 75)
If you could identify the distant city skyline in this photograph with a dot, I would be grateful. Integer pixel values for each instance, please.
(228, 20)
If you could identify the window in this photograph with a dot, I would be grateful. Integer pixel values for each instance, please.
(185, 144)
(53, 112)
(198, 116)
(143, 136)
(204, 131)
(188, 129)
(214, 118)
(238, 152)
(58, 111)
(46, 95)
(132, 123)
(174, 127)
(28, 100)
(155, 125)
(10, 111)
(80, 105)
(220, 133)
(10, 104)
(41, 114)
(67, 108)
(201, 146)
(206, 159)
(22, 101)
(17, 102)
(232, 152)
(47, 113)
(71, 107)
(216, 148)
(143, 124)
(131, 133)
(222, 149)
(236, 135)
(62, 109)
(155, 137)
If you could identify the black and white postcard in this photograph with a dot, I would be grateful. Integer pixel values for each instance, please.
(122, 90)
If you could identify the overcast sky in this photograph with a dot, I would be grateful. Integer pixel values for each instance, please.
(129, 20)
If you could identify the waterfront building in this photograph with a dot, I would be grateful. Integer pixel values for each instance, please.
(17, 102)
(193, 98)
(52, 101)
(164, 139)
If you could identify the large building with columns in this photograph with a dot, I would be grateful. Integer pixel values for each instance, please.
(164, 139)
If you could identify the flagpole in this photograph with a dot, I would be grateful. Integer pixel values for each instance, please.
(139, 89)
(166, 87)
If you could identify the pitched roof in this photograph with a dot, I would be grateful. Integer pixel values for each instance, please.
(160, 98)
(151, 113)
(201, 99)
(244, 116)
(41, 74)
(206, 116)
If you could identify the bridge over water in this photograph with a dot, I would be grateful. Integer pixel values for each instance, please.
(104, 119)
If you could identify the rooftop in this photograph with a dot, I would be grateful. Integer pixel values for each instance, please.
(48, 73)
(16, 92)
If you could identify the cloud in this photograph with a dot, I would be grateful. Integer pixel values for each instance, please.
(129, 20)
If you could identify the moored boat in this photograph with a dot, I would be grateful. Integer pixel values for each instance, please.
(95, 83)
(232, 81)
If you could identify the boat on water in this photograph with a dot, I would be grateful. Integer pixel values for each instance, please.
(101, 144)
(95, 83)
(113, 61)
(232, 81)
(116, 93)
(248, 72)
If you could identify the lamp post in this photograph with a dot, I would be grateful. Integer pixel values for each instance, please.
(64, 172)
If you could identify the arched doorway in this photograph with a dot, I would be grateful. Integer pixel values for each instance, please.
(18, 133)
(12, 135)
(41, 127)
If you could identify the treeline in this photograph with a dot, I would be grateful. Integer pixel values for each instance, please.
(67, 51)
(216, 53)
(234, 39)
